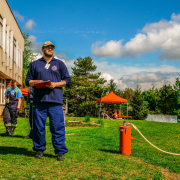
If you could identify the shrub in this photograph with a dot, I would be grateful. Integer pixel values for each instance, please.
(100, 121)
(87, 118)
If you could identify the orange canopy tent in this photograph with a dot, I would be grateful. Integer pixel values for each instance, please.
(24, 91)
(112, 98)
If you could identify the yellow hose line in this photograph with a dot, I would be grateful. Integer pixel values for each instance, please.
(151, 143)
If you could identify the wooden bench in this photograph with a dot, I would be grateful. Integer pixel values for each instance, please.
(125, 117)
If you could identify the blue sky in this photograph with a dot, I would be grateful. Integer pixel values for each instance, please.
(129, 41)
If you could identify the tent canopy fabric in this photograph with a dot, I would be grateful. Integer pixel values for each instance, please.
(111, 98)
(24, 91)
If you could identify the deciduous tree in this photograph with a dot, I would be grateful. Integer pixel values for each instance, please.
(27, 56)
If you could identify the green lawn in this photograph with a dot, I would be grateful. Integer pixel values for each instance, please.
(93, 153)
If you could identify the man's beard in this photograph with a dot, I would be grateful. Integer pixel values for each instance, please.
(48, 55)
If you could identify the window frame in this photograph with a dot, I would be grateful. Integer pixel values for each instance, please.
(1, 89)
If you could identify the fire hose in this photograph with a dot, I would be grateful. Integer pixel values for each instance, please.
(151, 143)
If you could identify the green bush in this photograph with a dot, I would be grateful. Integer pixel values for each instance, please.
(100, 121)
(87, 118)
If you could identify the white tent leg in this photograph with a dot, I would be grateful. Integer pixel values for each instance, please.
(100, 110)
(127, 108)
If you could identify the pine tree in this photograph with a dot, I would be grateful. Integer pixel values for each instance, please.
(86, 87)
(140, 111)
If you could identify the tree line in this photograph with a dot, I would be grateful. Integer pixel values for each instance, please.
(87, 87)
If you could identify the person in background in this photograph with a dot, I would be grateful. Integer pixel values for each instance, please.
(48, 101)
(13, 100)
(30, 97)
(113, 114)
(109, 112)
(118, 112)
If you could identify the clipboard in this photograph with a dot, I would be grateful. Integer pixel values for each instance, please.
(42, 84)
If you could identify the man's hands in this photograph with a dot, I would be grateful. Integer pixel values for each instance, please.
(33, 82)
(52, 85)
(17, 112)
(56, 84)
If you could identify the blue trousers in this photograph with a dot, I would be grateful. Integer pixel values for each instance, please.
(57, 126)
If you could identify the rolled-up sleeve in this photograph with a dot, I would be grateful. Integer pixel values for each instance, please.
(30, 74)
(65, 75)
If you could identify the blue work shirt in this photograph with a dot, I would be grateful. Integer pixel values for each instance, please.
(18, 93)
(56, 72)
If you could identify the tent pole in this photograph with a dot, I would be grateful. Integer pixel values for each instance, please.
(100, 110)
(127, 108)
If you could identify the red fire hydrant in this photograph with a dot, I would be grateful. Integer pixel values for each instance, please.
(125, 138)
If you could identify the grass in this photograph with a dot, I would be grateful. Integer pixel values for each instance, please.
(94, 153)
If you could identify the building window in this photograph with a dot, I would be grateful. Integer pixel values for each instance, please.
(1, 31)
(2, 91)
(14, 50)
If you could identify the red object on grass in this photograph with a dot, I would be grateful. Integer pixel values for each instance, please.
(42, 84)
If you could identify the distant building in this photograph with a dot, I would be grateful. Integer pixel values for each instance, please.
(11, 50)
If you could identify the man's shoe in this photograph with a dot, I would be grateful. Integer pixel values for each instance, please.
(39, 154)
(60, 157)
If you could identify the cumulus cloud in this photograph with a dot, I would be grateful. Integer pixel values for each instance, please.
(106, 76)
(108, 49)
(18, 16)
(29, 24)
(61, 55)
(36, 47)
(146, 77)
(163, 35)
(32, 38)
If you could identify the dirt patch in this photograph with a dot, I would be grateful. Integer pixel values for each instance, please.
(81, 124)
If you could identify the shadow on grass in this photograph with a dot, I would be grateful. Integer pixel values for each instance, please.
(20, 151)
(16, 136)
(110, 151)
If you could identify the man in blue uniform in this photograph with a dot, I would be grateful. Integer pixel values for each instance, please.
(13, 97)
(48, 101)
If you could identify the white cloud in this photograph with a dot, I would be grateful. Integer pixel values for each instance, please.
(37, 56)
(32, 38)
(163, 24)
(29, 24)
(163, 35)
(175, 17)
(109, 49)
(106, 76)
(18, 16)
(129, 76)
